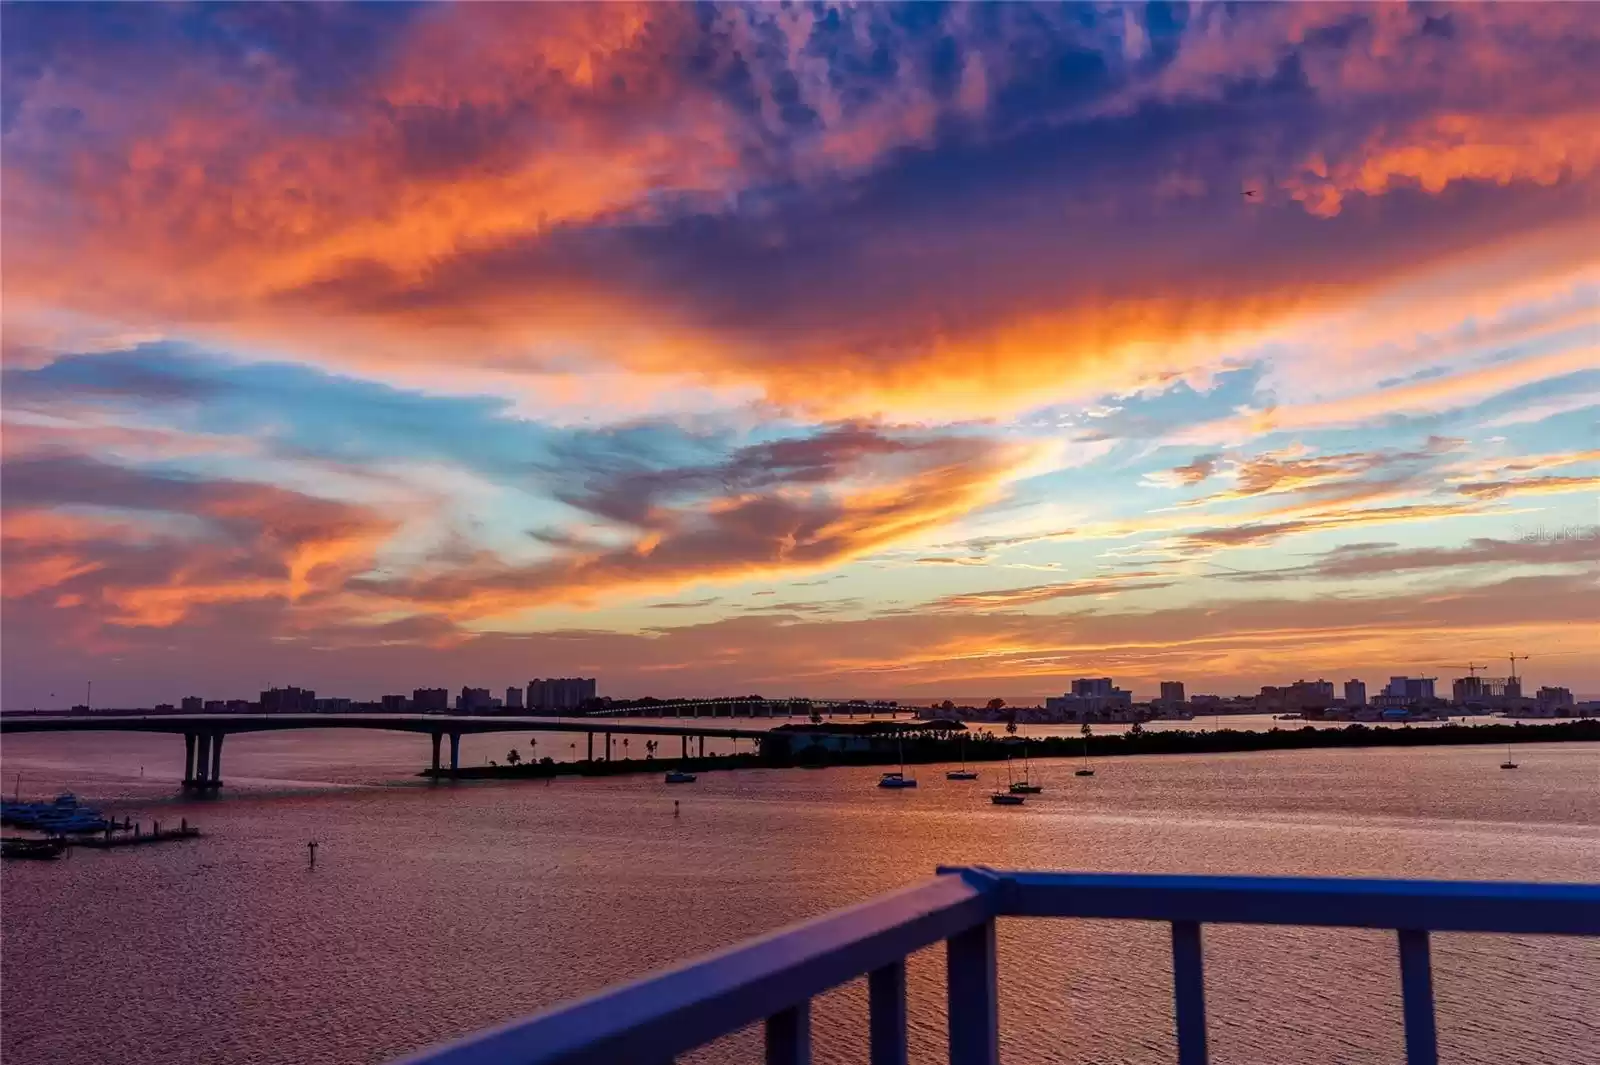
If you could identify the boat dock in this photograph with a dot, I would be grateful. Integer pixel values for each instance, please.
(136, 837)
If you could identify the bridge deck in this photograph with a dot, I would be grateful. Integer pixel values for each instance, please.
(228, 724)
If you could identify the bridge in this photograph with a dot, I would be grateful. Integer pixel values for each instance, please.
(748, 707)
(772, 980)
(203, 733)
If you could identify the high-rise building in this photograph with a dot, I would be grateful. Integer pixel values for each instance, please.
(1414, 688)
(1403, 692)
(1302, 695)
(394, 704)
(288, 701)
(430, 700)
(513, 699)
(1554, 699)
(1090, 696)
(555, 694)
(1355, 693)
(193, 704)
(1172, 692)
(474, 700)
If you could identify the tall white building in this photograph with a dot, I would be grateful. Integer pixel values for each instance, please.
(560, 693)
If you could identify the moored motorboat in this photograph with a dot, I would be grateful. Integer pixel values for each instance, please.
(13, 847)
(1006, 798)
(678, 776)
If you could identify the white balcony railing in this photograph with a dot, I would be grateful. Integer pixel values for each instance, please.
(774, 978)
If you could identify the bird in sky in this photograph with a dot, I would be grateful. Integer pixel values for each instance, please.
(1250, 193)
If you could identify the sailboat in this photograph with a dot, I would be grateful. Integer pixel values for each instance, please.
(1085, 771)
(1006, 798)
(898, 780)
(1508, 763)
(1026, 786)
(963, 773)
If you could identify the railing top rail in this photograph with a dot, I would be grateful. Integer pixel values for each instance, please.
(667, 1013)
(663, 1015)
(1423, 905)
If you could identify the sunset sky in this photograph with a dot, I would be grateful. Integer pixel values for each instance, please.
(877, 350)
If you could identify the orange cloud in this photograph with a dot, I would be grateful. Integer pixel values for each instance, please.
(1010, 598)
(523, 187)
(1442, 149)
(858, 495)
(1528, 486)
(240, 543)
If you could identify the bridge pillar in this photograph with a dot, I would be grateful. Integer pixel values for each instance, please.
(685, 739)
(188, 758)
(202, 760)
(590, 740)
(608, 746)
(702, 745)
(216, 759)
(455, 751)
(438, 738)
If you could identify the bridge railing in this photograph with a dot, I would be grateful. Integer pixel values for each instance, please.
(774, 978)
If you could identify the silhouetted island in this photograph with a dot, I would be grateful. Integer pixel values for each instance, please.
(884, 743)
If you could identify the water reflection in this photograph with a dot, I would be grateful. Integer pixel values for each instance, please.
(437, 909)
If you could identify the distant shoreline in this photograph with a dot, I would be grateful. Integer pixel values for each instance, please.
(986, 747)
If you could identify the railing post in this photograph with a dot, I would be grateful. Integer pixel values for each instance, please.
(1189, 992)
(1416, 991)
(974, 996)
(789, 1036)
(886, 1003)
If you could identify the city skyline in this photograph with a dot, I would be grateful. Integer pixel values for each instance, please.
(858, 352)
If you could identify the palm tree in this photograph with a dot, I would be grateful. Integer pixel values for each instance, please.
(573, 747)
(533, 747)
(512, 757)
(624, 748)
(649, 749)
(816, 716)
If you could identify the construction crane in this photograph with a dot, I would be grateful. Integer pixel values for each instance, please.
(1472, 670)
(1514, 659)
